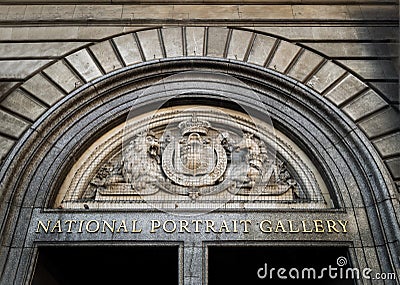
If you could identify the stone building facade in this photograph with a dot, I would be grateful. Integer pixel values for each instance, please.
(212, 136)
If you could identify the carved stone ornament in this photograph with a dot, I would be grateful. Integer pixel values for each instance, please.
(197, 157)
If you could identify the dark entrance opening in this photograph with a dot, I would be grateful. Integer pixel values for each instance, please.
(247, 265)
(107, 265)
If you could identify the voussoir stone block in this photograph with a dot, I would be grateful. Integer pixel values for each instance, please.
(128, 49)
(12, 125)
(261, 49)
(388, 145)
(23, 105)
(216, 41)
(307, 62)
(84, 64)
(43, 89)
(328, 74)
(106, 56)
(345, 89)
(381, 123)
(173, 44)
(283, 56)
(150, 43)
(5, 146)
(239, 44)
(394, 166)
(63, 76)
(364, 105)
(194, 41)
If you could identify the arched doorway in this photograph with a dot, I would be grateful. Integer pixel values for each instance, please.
(351, 170)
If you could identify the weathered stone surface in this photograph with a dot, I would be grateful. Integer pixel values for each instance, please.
(343, 49)
(150, 44)
(78, 32)
(84, 64)
(216, 41)
(42, 88)
(374, 12)
(389, 89)
(266, 12)
(239, 44)
(194, 41)
(106, 56)
(328, 74)
(364, 105)
(23, 105)
(173, 41)
(63, 76)
(206, 12)
(380, 123)
(20, 69)
(339, 12)
(307, 62)
(373, 69)
(388, 145)
(128, 49)
(43, 49)
(5, 146)
(329, 33)
(12, 125)
(346, 89)
(394, 166)
(283, 56)
(5, 87)
(261, 49)
(87, 12)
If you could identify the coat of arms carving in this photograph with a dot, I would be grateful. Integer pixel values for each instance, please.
(200, 158)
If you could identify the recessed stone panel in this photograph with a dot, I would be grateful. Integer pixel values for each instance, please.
(128, 49)
(63, 76)
(261, 49)
(84, 64)
(12, 125)
(239, 44)
(42, 88)
(23, 105)
(328, 74)
(364, 105)
(106, 56)
(150, 44)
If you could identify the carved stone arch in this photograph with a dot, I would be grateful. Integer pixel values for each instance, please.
(327, 78)
(342, 152)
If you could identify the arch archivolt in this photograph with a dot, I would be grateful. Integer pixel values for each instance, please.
(305, 66)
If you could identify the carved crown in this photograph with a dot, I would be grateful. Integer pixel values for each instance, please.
(194, 125)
